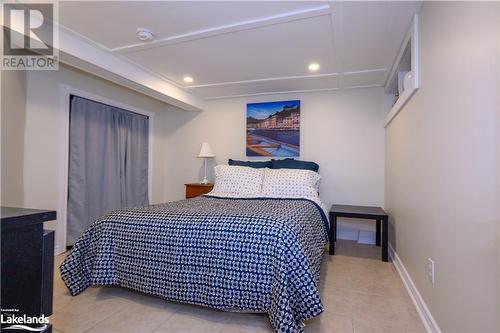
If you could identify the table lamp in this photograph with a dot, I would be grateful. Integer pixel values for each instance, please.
(205, 152)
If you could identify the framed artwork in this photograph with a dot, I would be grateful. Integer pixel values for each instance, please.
(273, 129)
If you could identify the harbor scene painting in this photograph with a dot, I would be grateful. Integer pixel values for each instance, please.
(273, 129)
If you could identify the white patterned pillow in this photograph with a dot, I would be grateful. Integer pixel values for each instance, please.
(238, 179)
(291, 183)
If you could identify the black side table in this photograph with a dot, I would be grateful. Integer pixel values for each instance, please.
(361, 212)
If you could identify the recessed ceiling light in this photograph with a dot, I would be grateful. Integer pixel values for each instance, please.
(313, 67)
(144, 35)
(188, 79)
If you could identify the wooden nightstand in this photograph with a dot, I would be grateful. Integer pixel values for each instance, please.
(196, 189)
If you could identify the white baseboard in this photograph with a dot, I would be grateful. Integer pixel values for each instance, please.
(347, 234)
(423, 311)
(57, 250)
(355, 232)
(367, 237)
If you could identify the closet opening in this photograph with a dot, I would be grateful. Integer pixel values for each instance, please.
(108, 162)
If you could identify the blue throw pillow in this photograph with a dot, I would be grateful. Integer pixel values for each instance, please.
(290, 163)
(252, 164)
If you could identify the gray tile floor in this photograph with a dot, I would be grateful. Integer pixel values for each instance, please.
(360, 293)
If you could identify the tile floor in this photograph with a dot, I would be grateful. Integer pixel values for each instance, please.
(360, 293)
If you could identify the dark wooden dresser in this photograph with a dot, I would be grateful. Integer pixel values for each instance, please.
(27, 264)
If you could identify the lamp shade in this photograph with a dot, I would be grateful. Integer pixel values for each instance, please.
(205, 150)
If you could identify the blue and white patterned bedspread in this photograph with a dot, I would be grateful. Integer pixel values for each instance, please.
(251, 255)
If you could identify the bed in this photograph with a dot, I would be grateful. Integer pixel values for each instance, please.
(247, 253)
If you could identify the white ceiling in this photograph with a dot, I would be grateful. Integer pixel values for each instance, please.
(247, 48)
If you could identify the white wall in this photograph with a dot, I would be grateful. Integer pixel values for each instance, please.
(44, 131)
(13, 107)
(442, 167)
(340, 130)
(498, 178)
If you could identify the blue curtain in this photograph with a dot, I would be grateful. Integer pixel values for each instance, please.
(108, 162)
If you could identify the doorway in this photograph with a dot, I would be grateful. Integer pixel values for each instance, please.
(108, 162)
